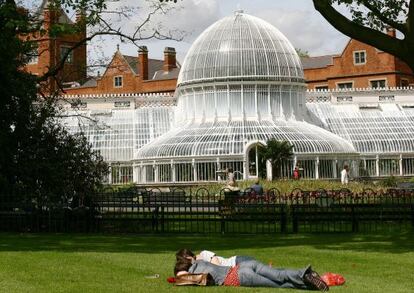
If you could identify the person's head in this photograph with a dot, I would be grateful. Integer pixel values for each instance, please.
(182, 265)
(257, 182)
(185, 253)
(346, 167)
(230, 170)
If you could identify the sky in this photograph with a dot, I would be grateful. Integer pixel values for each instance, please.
(296, 19)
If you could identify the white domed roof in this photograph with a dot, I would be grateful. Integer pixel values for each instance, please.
(241, 47)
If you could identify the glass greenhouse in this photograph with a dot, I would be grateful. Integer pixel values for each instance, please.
(240, 85)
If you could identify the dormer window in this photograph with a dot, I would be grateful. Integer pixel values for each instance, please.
(360, 57)
(118, 82)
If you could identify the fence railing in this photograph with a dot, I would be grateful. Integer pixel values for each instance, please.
(198, 211)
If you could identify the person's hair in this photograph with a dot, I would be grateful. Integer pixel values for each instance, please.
(230, 169)
(184, 253)
(346, 166)
(182, 264)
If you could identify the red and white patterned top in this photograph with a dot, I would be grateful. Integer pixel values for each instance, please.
(232, 278)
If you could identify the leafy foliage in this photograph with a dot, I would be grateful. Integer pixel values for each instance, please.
(276, 152)
(39, 158)
(376, 14)
(369, 20)
(302, 53)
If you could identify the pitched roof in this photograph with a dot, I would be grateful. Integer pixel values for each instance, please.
(162, 74)
(63, 17)
(155, 71)
(317, 62)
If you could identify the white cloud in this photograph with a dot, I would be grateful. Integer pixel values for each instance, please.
(306, 30)
(190, 18)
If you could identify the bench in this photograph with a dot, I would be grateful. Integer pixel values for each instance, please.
(165, 199)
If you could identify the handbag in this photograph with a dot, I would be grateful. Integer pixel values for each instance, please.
(194, 279)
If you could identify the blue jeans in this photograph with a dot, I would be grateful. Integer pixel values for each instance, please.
(255, 274)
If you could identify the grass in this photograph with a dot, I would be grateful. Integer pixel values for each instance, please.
(99, 263)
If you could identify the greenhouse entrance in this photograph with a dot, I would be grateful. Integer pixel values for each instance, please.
(255, 162)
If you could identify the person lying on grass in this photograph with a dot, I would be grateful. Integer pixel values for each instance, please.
(251, 273)
(210, 256)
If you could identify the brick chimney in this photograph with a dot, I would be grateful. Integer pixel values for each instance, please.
(391, 32)
(143, 62)
(169, 59)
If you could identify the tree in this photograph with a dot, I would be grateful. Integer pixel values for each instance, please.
(276, 152)
(302, 53)
(39, 158)
(370, 20)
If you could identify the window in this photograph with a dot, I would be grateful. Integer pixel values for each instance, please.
(344, 99)
(33, 57)
(360, 57)
(386, 98)
(78, 105)
(381, 83)
(345, 85)
(64, 51)
(321, 88)
(122, 104)
(118, 81)
(404, 82)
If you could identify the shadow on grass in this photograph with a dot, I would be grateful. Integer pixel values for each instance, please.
(390, 243)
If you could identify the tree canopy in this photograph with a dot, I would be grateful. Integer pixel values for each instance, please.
(276, 152)
(39, 158)
(369, 20)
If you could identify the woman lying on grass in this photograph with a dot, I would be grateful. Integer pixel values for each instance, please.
(251, 273)
(210, 256)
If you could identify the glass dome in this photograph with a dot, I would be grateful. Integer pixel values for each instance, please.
(241, 47)
(241, 84)
(240, 67)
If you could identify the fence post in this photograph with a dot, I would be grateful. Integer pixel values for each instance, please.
(162, 219)
(154, 215)
(295, 221)
(283, 219)
(412, 215)
(354, 220)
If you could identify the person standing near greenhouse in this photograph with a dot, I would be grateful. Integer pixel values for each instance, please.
(345, 175)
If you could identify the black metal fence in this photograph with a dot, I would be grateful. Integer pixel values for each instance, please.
(180, 211)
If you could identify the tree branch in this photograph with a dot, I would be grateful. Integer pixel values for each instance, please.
(398, 26)
(361, 33)
(410, 20)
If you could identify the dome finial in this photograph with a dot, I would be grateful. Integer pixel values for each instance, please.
(238, 10)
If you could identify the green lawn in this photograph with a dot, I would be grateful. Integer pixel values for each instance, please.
(98, 263)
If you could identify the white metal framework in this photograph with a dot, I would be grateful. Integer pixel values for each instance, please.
(240, 85)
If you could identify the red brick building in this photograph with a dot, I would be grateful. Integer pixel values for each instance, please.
(358, 66)
(125, 74)
(51, 49)
(133, 74)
